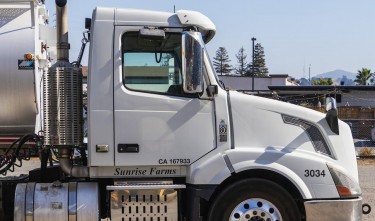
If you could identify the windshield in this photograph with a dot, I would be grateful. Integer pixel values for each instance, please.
(211, 69)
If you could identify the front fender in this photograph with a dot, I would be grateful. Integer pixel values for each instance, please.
(210, 170)
(292, 165)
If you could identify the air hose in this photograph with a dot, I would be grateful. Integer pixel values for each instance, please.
(15, 154)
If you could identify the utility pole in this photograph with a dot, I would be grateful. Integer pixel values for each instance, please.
(309, 74)
(252, 66)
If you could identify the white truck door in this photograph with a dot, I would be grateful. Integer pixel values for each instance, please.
(155, 123)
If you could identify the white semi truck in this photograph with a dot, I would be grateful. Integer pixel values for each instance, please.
(167, 142)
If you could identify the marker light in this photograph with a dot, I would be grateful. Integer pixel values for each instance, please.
(28, 56)
(346, 187)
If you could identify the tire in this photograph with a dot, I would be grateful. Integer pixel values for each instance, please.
(254, 200)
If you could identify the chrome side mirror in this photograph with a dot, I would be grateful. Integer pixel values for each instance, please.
(192, 62)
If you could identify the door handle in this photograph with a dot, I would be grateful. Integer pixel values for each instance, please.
(128, 148)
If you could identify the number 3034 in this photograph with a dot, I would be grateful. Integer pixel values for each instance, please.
(315, 173)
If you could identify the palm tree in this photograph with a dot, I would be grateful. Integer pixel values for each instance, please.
(363, 76)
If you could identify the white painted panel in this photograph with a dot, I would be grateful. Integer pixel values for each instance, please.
(165, 127)
(101, 133)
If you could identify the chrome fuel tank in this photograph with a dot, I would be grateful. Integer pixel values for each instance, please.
(57, 201)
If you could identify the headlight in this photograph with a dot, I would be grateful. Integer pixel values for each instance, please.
(344, 184)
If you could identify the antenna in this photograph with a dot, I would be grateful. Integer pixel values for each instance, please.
(174, 8)
(304, 68)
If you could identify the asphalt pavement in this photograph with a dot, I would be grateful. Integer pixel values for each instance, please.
(366, 170)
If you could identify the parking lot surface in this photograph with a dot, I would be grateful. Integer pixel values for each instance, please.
(366, 169)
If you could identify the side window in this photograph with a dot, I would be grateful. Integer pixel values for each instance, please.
(152, 66)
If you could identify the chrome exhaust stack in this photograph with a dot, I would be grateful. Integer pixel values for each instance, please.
(62, 31)
(62, 97)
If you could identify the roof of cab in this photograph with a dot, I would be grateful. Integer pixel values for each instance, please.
(182, 18)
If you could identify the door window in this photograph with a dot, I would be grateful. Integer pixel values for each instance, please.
(152, 66)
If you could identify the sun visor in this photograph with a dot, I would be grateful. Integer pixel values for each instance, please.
(197, 19)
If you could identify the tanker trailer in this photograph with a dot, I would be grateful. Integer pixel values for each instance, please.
(27, 47)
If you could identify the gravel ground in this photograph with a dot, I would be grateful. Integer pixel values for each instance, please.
(366, 170)
(366, 178)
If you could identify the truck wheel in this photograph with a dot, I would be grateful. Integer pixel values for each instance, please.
(254, 200)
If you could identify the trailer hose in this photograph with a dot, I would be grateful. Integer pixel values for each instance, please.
(8, 160)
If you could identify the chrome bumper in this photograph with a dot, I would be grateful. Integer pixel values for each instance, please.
(329, 210)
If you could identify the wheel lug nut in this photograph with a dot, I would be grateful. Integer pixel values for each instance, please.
(255, 213)
(262, 214)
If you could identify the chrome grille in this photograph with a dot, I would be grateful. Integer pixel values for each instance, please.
(63, 106)
(316, 137)
(144, 204)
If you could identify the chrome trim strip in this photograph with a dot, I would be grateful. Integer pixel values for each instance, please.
(228, 163)
(30, 190)
(229, 103)
(72, 205)
(19, 202)
(147, 186)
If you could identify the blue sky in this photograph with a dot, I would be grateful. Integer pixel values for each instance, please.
(328, 34)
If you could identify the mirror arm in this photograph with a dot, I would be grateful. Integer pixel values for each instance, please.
(156, 57)
(212, 90)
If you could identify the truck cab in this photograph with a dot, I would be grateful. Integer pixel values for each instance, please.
(158, 110)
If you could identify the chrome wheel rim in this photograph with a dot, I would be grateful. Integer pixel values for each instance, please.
(255, 210)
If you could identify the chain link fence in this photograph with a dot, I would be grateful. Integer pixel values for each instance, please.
(363, 132)
(362, 129)
(361, 121)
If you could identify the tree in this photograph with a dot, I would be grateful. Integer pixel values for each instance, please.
(241, 68)
(260, 69)
(323, 81)
(330, 81)
(363, 76)
(221, 61)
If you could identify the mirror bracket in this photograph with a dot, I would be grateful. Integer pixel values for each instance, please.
(212, 90)
(152, 34)
(332, 115)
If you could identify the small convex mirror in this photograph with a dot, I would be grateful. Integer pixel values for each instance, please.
(192, 62)
(330, 103)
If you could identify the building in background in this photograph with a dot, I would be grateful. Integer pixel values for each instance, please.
(356, 105)
(261, 84)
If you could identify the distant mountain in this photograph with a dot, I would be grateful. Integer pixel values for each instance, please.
(337, 74)
(340, 77)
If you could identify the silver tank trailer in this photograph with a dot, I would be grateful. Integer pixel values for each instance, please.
(20, 33)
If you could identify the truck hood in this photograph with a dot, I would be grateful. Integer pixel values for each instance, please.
(258, 123)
